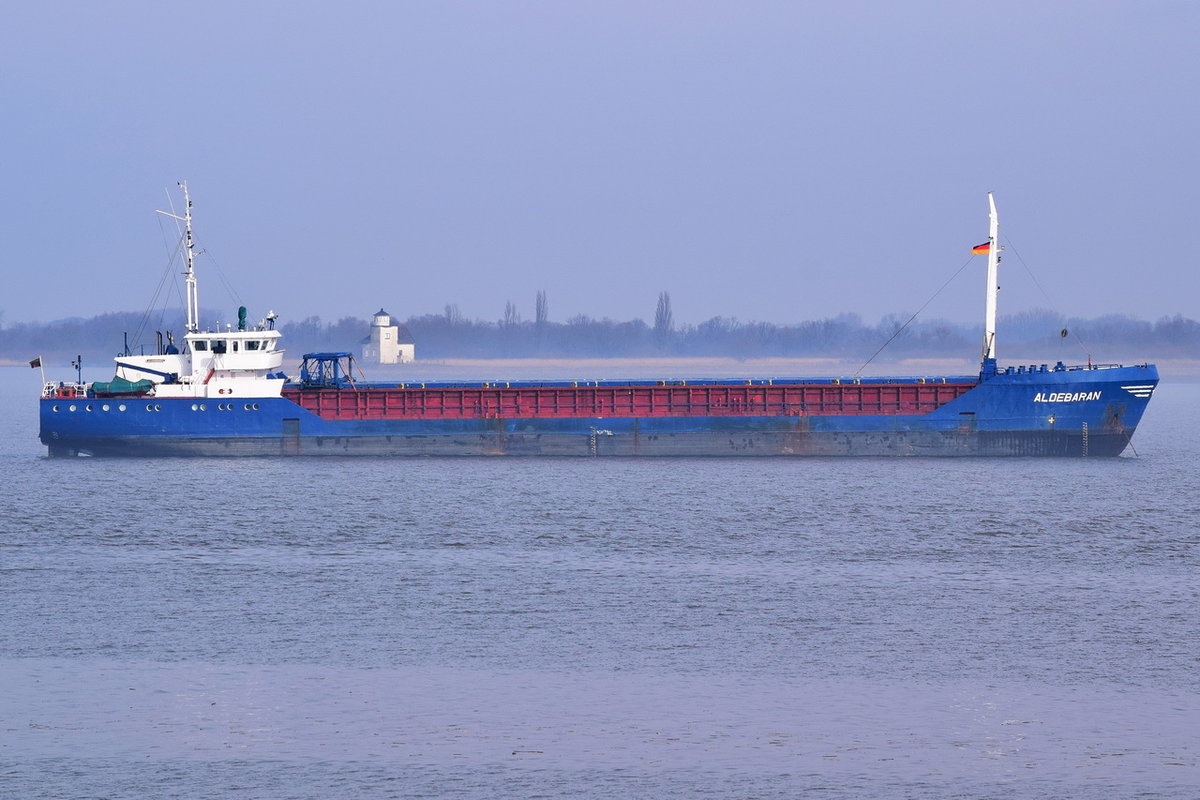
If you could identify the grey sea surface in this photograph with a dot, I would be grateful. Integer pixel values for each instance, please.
(390, 628)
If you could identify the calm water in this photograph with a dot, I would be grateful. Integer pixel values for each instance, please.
(476, 628)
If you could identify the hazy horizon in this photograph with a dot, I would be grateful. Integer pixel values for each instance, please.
(210, 320)
(764, 161)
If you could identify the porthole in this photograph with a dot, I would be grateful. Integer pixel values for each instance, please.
(195, 407)
(149, 407)
(88, 407)
(256, 406)
(104, 407)
(54, 409)
(121, 407)
(203, 407)
(157, 407)
(247, 406)
(71, 407)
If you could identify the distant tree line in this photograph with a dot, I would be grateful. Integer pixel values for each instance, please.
(1029, 334)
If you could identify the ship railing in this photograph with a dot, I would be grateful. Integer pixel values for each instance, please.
(67, 389)
(1024, 369)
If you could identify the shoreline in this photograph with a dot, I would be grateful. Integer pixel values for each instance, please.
(715, 367)
(689, 367)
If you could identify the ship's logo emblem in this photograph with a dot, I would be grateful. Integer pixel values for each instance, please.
(1140, 390)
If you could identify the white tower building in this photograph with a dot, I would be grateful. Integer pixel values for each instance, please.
(388, 343)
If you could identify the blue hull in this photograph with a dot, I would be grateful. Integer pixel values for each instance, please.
(1086, 412)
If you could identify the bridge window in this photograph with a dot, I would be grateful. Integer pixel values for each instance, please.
(200, 345)
(252, 344)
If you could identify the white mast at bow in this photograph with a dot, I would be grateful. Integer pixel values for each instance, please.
(993, 284)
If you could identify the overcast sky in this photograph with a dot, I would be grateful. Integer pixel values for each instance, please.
(773, 161)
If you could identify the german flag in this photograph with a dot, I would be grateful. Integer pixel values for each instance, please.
(982, 249)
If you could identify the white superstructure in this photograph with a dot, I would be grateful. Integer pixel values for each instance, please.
(246, 362)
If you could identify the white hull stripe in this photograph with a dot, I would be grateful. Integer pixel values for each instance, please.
(1140, 390)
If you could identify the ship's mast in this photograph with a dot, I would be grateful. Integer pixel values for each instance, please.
(193, 305)
(993, 286)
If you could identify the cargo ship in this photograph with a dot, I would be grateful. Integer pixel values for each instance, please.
(225, 393)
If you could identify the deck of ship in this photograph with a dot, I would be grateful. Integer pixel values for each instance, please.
(601, 399)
